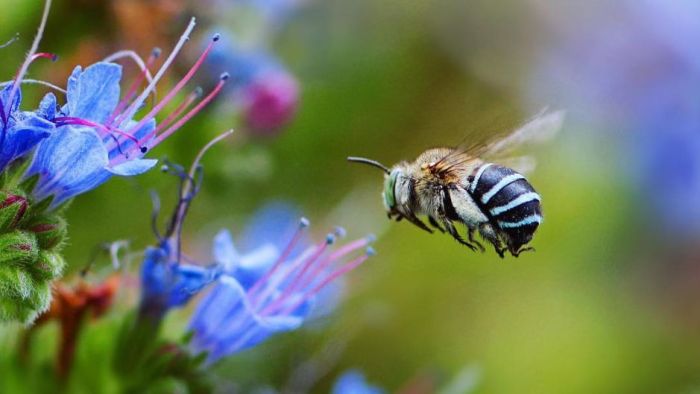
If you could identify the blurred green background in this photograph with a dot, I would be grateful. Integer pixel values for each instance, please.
(603, 305)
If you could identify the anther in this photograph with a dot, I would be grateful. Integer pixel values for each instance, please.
(198, 92)
(370, 251)
(143, 149)
(371, 238)
(164, 168)
(304, 222)
(330, 239)
(216, 37)
(156, 52)
(340, 232)
(224, 76)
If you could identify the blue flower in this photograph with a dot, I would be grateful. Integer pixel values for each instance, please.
(168, 283)
(96, 134)
(272, 288)
(21, 131)
(354, 382)
(80, 156)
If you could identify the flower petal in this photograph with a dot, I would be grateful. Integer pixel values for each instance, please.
(167, 285)
(5, 97)
(274, 223)
(225, 322)
(354, 382)
(22, 137)
(224, 251)
(133, 167)
(94, 93)
(69, 162)
(47, 107)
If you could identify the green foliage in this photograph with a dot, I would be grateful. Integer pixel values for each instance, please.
(30, 243)
(144, 364)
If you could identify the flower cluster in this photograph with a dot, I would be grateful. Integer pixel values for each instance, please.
(58, 151)
(268, 285)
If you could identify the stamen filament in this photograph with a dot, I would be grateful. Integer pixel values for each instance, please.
(289, 289)
(335, 256)
(145, 73)
(330, 278)
(45, 55)
(67, 120)
(195, 95)
(135, 105)
(169, 131)
(175, 90)
(23, 69)
(304, 223)
(36, 81)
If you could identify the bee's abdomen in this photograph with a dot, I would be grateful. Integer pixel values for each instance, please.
(508, 200)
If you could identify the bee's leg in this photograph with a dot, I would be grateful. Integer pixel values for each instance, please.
(453, 232)
(487, 231)
(413, 219)
(435, 224)
(524, 249)
(475, 242)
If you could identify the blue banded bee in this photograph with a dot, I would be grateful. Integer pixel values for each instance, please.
(450, 185)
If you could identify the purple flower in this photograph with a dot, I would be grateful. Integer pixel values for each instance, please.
(96, 134)
(270, 101)
(635, 65)
(270, 289)
(21, 131)
(354, 382)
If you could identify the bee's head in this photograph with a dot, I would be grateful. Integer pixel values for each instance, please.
(389, 194)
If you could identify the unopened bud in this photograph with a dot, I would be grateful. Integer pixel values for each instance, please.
(48, 266)
(12, 210)
(50, 230)
(18, 248)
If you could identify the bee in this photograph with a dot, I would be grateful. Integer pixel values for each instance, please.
(450, 185)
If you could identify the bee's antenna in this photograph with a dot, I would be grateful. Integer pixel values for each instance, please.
(373, 163)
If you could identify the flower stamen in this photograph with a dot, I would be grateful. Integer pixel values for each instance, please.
(155, 110)
(194, 111)
(27, 61)
(330, 278)
(136, 104)
(114, 118)
(303, 224)
(191, 98)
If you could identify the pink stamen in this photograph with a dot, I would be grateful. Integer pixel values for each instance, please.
(304, 223)
(168, 132)
(331, 277)
(116, 114)
(196, 94)
(289, 289)
(25, 65)
(67, 120)
(155, 110)
(44, 55)
(335, 256)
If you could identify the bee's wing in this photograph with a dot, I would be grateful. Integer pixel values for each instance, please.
(521, 164)
(541, 128)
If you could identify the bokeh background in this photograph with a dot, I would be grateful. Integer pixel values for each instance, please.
(608, 303)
